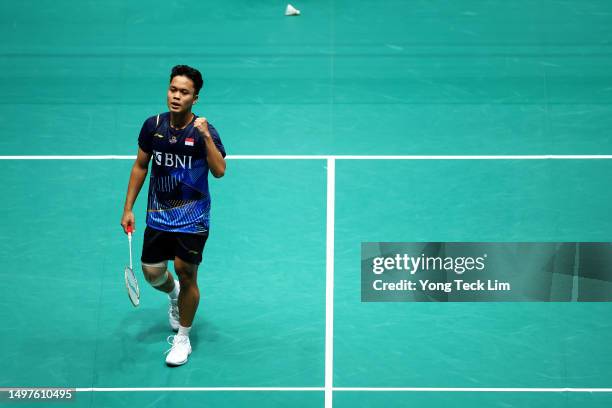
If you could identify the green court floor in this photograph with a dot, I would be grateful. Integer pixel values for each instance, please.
(344, 78)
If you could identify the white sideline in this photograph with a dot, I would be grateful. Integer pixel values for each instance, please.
(337, 389)
(329, 283)
(338, 157)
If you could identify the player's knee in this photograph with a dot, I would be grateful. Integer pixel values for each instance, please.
(184, 268)
(187, 278)
(187, 275)
(156, 274)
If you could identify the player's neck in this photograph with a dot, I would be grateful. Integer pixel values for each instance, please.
(180, 120)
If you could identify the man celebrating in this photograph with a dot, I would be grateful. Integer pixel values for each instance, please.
(184, 148)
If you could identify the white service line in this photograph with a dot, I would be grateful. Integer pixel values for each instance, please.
(477, 157)
(473, 389)
(329, 283)
(277, 157)
(70, 157)
(337, 389)
(337, 157)
(201, 389)
(420, 157)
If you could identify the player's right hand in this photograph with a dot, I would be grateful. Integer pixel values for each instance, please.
(128, 219)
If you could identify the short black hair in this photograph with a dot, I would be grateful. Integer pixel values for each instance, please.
(189, 72)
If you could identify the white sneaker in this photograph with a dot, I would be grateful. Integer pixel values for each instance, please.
(180, 350)
(173, 310)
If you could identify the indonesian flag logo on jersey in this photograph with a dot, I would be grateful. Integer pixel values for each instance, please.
(188, 141)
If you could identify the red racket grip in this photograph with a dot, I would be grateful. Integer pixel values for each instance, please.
(129, 229)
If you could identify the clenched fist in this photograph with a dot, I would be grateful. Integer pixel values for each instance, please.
(202, 125)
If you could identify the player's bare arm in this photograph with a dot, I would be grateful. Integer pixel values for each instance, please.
(215, 160)
(137, 178)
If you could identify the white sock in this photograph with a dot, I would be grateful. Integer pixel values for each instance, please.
(175, 292)
(184, 331)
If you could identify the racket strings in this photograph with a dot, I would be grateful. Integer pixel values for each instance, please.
(132, 286)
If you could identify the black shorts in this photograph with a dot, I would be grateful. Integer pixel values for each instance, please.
(159, 246)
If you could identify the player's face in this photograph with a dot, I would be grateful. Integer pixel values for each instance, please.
(181, 94)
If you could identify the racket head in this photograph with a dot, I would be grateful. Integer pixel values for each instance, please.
(131, 284)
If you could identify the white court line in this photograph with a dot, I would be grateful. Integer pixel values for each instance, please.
(473, 389)
(329, 283)
(337, 389)
(201, 389)
(337, 157)
(421, 157)
(69, 157)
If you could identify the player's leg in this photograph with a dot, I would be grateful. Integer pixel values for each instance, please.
(188, 301)
(155, 253)
(161, 279)
(188, 251)
(188, 256)
(189, 298)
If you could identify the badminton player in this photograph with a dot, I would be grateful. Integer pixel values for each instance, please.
(183, 148)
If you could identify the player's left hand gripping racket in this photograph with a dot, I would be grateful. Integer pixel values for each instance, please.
(130, 279)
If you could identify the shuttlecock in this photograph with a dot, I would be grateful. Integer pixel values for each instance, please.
(291, 11)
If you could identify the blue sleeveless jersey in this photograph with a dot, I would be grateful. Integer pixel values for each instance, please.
(179, 199)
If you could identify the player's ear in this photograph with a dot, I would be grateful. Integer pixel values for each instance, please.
(195, 98)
